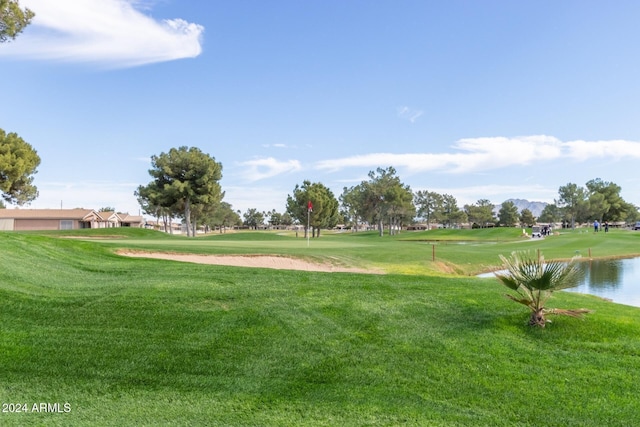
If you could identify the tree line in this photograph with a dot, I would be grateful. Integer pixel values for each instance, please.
(186, 186)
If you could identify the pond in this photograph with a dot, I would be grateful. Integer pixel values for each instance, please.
(617, 280)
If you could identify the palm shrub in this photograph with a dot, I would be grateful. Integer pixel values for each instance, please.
(535, 280)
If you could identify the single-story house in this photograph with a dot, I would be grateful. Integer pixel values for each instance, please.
(127, 220)
(64, 219)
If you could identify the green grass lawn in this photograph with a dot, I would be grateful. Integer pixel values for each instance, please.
(435, 252)
(128, 341)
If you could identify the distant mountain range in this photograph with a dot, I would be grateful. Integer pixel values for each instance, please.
(535, 207)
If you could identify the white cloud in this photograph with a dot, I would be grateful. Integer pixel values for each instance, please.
(483, 154)
(256, 197)
(616, 149)
(268, 167)
(409, 114)
(111, 33)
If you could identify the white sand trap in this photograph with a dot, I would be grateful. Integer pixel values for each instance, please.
(261, 261)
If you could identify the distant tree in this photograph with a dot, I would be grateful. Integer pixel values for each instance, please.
(451, 213)
(324, 212)
(481, 213)
(13, 19)
(2, 205)
(572, 200)
(598, 206)
(633, 213)
(107, 209)
(605, 202)
(354, 206)
(18, 164)
(458, 217)
(223, 217)
(400, 209)
(551, 214)
(253, 218)
(526, 218)
(286, 219)
(202, 213)
(508, 214)
(156, 203)
(184, 177)
(386, 198)
(277, 219)
(429, 206)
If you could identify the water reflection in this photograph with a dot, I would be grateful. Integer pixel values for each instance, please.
(617, 280)
(602, 274)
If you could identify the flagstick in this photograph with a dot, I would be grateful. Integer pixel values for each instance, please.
(308, 216)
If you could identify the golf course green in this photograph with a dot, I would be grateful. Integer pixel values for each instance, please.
(91, 337)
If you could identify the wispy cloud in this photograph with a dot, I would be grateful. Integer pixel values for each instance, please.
(111, 33)
(616, 149)
(262, 198)
(268, 167)
(483, 154)
(409, 114)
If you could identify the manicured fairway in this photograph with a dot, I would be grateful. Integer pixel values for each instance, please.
(148, 342)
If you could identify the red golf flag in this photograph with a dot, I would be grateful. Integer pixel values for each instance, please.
(310, 206)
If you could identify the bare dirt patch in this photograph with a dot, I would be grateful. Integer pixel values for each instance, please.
(255, 261)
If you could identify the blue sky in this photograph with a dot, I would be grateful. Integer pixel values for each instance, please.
(477, 99)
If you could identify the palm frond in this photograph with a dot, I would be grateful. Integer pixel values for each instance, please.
(532, 272)
(576, 312)
(524, 301)
(535, 280)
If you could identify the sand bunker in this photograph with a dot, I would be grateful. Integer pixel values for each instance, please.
(260, 261)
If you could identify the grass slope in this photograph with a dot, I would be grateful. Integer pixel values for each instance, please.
(148, 342)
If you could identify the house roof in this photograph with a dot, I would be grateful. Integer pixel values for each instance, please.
(106, 215)
(77, 214)
(131, 218)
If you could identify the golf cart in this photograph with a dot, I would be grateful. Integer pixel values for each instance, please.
(536, 231)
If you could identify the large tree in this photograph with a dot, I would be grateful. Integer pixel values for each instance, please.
(18, 164)
(324, 206)
(13, 19)
(184, 177)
